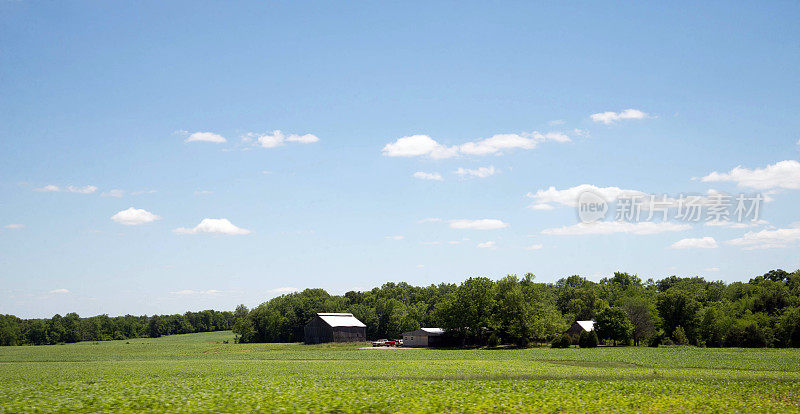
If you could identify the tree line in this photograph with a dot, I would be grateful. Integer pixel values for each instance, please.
(73, 328)
(763, 312)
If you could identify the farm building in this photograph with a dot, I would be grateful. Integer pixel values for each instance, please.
(423, 337)
(577, 327)
(335, 327)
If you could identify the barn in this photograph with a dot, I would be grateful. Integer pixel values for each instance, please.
(335, 327)
(577, 327)
(423, 337)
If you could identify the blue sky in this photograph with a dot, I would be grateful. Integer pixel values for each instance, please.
(100, 104)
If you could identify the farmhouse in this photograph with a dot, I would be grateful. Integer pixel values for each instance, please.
(335, 327)
(575, 330)
(423, 337)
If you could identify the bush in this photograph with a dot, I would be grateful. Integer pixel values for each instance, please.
(655, 341)
(563, 342)
(588, 340)
(679, 336)
(493, 341)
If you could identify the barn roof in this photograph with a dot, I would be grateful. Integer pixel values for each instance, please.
(587, 326)
(341, 319)
(426, 331)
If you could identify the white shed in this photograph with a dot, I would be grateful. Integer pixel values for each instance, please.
(423, 337)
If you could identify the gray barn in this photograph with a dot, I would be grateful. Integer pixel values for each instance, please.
(335, 327)
(577, 327)
(423, 337)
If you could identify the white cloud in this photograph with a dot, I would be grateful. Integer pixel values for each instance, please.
(394, 237)
(59, 291)
(430, 243)
(14, 226)
(481, 224)
(50, 188)
(783, 174)
(428, 176)
(556, 122)
(543, 199)
(302, 139)
(768, 239)
(197, 292)
(206, 137)
(736, 224)
(581, 132)
(134, 217)
(418, 145)
(277, 138)
(424, 145)
(114, 193)
(140, 192)
(480, 172)
(712, 269)
(488, 245)
(540, 206)
(612, 117)
(430, 220)
(88, 189)
(497, 143)
(534, 247)
(203, 192)
(283, 290)
(611, 227)
(213, 226)
(701, 243)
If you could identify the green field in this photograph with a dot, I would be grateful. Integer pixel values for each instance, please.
(200, 373)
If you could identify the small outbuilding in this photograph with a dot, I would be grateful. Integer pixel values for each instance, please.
(335, 327)
(578, 327)
(423, 337)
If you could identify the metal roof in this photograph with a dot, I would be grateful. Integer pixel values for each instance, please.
(587, 326)
(426, 331)
(341, 319)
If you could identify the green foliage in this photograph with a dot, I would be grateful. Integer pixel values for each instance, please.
(763, 312)
(679, 336)
(678, 308)
(563, 341)
(640, 313)
(613, 324)
(588, 339)
(72, 328)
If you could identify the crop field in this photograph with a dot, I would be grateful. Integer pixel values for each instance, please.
(201, 373)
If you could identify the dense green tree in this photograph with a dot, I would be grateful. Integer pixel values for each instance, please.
(678, 308)
(764, 311)
(640, 314)
(588, 339)
(613, 324)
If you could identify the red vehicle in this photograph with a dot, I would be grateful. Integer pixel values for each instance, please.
(390, 342)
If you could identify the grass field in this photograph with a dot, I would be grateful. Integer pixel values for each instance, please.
(200, 373)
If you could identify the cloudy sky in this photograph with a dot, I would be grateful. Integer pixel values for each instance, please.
(159, 158)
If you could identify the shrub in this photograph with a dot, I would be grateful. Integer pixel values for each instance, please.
(493, 340)
(588, 340)
(679, 336)
(655, 341)
(563, 342)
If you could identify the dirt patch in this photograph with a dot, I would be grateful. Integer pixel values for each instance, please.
(385, 347)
